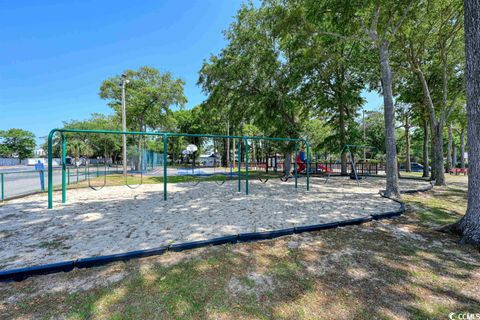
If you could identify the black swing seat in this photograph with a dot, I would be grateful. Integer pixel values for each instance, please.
(352, 176)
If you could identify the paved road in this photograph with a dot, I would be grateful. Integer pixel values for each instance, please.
(27, 181)
(24, 180)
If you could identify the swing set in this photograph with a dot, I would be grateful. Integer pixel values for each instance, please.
(195, 178)
(165, 135)
(105, 173)
(352, 150)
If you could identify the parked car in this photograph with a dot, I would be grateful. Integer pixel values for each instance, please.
(415, 166)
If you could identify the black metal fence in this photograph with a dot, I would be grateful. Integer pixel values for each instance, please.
(333, 167)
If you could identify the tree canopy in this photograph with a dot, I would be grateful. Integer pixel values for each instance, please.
(150, 95)
(17, 142)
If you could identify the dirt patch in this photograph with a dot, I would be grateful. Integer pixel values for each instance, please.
(252, 284)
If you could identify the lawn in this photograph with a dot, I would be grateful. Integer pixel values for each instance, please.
(390, 269)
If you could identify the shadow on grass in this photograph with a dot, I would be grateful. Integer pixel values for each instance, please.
(347, 274)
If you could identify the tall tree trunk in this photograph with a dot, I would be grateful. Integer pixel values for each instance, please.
(450, 149)
(469, 225)
(392, 189)
(426, 171)
(438, 169)
(454, 155)
(462, 149)
(433, 174)
(343, 137)
(438, 155)
(287, 164)
(408, 164)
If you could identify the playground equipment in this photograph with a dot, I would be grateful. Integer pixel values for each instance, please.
(90, 185)
(98, 188)
(207, 167)
(140, 165)
(166, 135)
(352, 150)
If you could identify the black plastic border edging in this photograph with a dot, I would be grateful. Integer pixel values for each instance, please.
(316, 227)
(408, 191)
(254, 236)
(101, 260)
(354, 222)
(203, 243)
(23, 273)
(66, 266)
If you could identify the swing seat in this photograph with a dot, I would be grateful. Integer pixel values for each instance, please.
(352, 177)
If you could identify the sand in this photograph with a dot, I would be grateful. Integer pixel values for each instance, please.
(117, 219)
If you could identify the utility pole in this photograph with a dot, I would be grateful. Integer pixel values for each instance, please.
(124, 124)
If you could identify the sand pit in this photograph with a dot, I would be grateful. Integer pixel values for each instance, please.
(118, 219)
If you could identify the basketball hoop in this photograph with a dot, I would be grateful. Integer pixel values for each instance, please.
(192, 148)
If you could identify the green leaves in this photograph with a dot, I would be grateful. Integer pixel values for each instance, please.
(150, 95)
(17, 142)
(98, 145)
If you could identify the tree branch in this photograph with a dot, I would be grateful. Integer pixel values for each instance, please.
(376, 16)
(404, 15)
(341, 36)
(452, 104)
(427, 96)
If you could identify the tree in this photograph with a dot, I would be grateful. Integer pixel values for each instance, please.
(404, 115)
(376, 24)
(432, 41)
(380, 34)
(149, 96)
(411, 95)
(375, 130)
(317, 131)
(469, 226)
(330, 67)
(17, 142)
(78, 148)
(460, 127)
(4, 151)
(97, 145)
(255, 74)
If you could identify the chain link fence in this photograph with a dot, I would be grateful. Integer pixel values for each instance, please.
(20, 183)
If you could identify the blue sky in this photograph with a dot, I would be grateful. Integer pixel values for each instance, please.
(55, 54)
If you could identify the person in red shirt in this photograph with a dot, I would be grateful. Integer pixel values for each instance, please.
(301, 160)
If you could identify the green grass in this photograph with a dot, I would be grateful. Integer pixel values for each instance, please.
(411, 174)
(441, 206)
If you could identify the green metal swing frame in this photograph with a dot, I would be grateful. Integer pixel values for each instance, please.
(165, 136)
